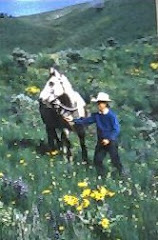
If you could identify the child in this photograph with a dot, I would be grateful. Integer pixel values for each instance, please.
(107, 132)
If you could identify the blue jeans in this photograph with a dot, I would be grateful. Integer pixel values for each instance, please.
(100, 154)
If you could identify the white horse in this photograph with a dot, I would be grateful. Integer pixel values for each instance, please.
(58, 100)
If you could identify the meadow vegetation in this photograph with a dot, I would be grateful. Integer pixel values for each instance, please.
(66, 200)
(42, 195)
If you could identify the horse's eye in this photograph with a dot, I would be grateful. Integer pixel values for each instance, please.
(51, 84)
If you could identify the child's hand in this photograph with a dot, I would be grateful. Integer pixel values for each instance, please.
(69, 118)
(105, 142)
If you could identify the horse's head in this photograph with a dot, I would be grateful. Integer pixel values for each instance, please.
(55, 87)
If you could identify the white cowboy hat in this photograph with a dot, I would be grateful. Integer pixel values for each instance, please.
(103, 97)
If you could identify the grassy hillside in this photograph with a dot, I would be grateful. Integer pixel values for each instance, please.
(42, 195)
(32, 185)
(79, 26)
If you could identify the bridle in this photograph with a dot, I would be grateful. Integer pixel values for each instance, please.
(73, 109)
(64, 107)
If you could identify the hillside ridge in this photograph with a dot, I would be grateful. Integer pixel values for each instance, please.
(79, 26)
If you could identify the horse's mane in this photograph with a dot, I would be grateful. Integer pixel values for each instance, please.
(66, 84)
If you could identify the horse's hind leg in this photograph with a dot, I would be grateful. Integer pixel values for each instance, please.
(66, 145)
(81, 134)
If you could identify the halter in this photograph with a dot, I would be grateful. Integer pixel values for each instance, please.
(62, 105)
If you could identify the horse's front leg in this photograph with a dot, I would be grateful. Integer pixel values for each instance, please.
(47, 118)
(53, 140)
(81, 134)
(66, 145)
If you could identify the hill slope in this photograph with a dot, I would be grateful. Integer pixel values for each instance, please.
(79, 26)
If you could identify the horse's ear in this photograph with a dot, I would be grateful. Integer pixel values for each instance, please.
(52, 71)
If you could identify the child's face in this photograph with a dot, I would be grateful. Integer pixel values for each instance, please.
(101, 106)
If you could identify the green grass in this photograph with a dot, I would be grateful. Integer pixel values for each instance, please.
(125, 73)
(79, 26)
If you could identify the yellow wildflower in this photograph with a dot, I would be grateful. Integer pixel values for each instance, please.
(22, 161)
(79, 208)
(154, 65)
(47, 216)
(53, 153)
(61, 228)
(70, 200)
(32, 176)
(82, 184)
(106, 192)
(135, 71)
(47, 191)
(86, 193)
(97, 195)
(105, 223)
(103, 191)
(110, 194)
(85, 203)
(9, 155)
(1, 175)
(32, 90)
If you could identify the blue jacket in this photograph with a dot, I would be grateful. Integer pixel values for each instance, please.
(107, 124)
